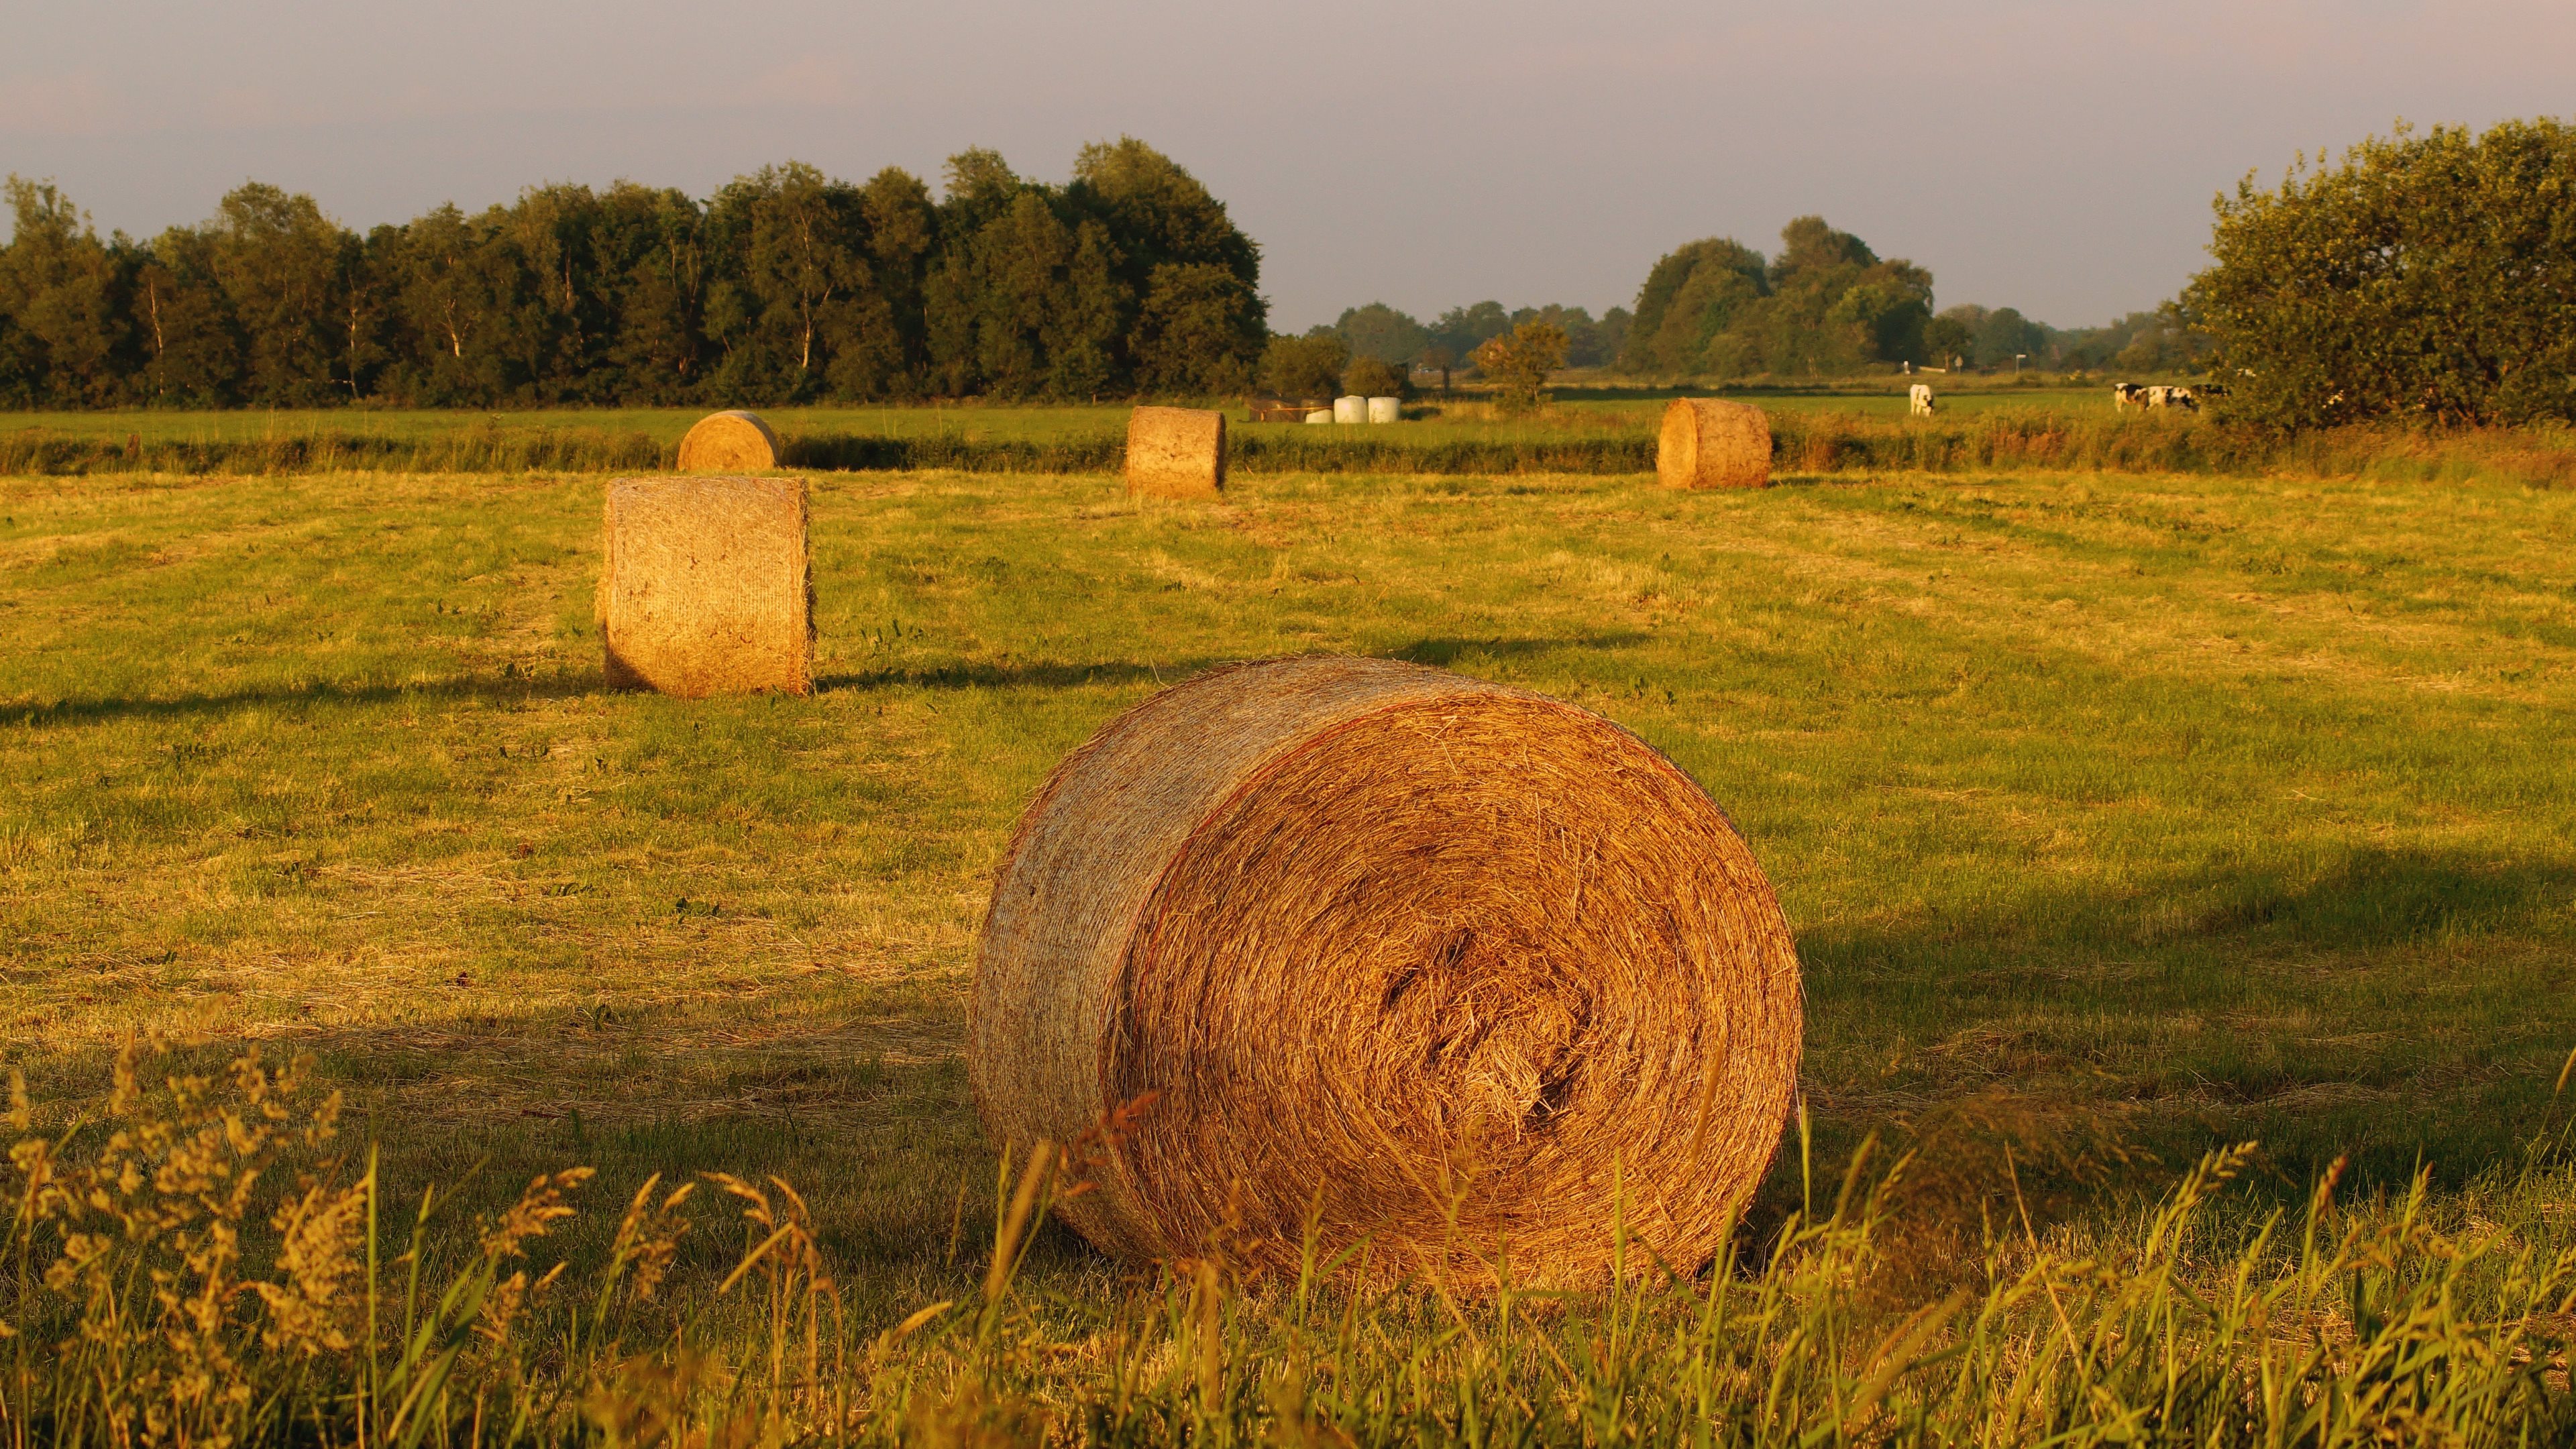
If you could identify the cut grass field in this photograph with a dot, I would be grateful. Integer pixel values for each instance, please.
(2118, 817)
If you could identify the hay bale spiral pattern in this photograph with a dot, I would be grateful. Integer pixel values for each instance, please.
(730, 442)
(1404, 947)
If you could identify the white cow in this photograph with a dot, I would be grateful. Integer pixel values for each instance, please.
(1919, 397)
(2173, 397)
(2126, 395)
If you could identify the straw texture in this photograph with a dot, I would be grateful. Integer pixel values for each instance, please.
(1175, 452)
(730, 442)
(707, 587)
(1395, 944)
(1709, 443)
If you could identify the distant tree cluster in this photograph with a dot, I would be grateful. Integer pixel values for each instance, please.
(2426, 277)
(1824, 305)
(1986, 337)
(2161, 341)
(785, 286)
(1298, 366)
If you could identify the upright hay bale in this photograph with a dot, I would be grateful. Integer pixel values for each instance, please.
(730, 442)
(1709, 443)
(1386, 409)
(1175, 452)
(1374, 934)
(708, 588)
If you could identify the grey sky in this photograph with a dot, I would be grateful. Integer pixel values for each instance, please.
(2058, 157)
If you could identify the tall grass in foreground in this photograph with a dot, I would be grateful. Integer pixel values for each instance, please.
(165, 1283)
(1803, 442)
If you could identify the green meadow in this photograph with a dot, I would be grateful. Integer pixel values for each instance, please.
(2121, 819)
(1466, 414)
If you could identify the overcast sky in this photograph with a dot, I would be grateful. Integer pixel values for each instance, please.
(2059, 157)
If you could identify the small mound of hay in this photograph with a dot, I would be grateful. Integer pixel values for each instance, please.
(1710, 443)
(730, 442)
(1387, 944)
(708, 587)
(1175, 452)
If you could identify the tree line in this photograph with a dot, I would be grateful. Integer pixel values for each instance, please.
(786, 286)
(1825, 304)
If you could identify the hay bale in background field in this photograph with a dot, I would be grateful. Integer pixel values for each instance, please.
(1386, 409)
(1358, 923)
(1320, 415)
(1709, 443)
(1350, 410)
(729, 442)
(1175, 452)
(707, 587)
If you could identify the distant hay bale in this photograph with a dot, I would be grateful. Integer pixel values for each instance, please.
(1175, 452)
(1386, 409)
(1320, 415)
(729, 442)
(1350, 409)
(707, 587)
(1710, 443)
(1385, 943)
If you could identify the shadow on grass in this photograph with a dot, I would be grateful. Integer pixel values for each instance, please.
(494, 689)
(1011, 676)
(1441, 653)
(869, 1121)
(2382, 1006)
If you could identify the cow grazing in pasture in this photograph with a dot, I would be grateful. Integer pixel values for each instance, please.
(2126, 395)
(1919, 397)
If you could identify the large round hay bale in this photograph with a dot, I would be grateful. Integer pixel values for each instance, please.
(1450, 965)
(729, 442)
(1175, 452)
(1710, 443)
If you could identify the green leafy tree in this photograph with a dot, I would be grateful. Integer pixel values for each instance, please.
(2003, 334)
(1201, 331)
(1198, 323)
(653, 266)
(2426, 276)
(1373, 377)
(903, 234)
(1825, 304)
(454, 286)
(287, 272)
(191, 338)
(1519, 363)
(63, 321)
(1463, 329)
(1305, 369)
(1692, 294)
(1380, 331)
